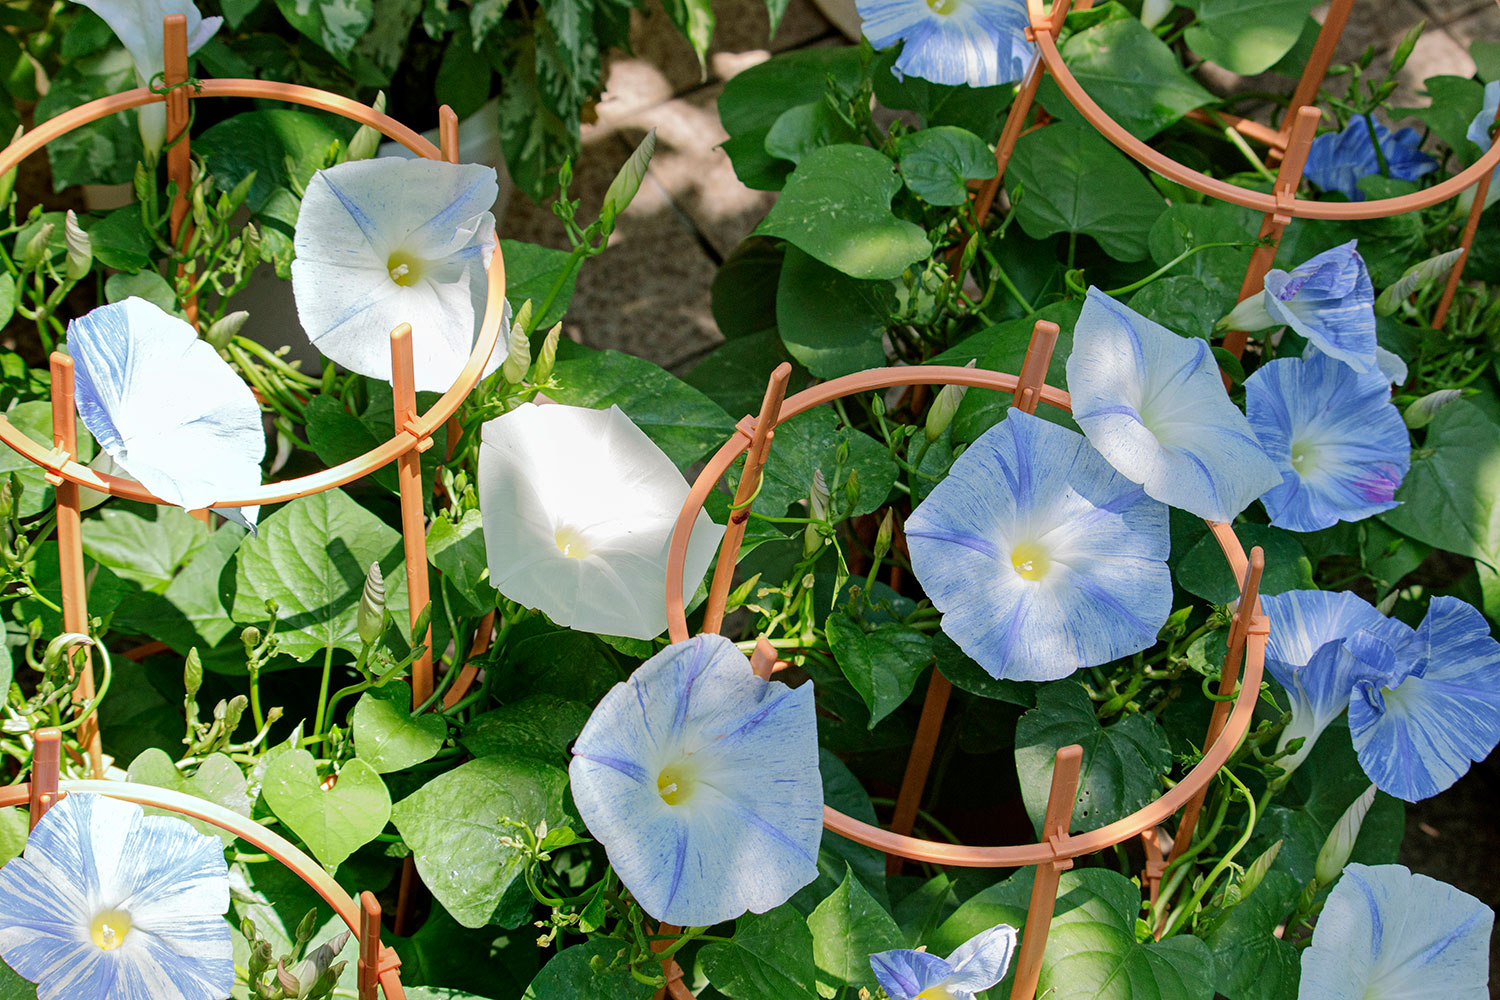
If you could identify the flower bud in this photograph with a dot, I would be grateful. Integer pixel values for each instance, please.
(80, 248)
(1256, 873)
(940, 414)
(547, 356)
(224, 329)
(851, 490)
(36, 250)
(142, 183)
(1421, 412)
(627, 182)
(250, 638)
(1250, 314)
(371, 618)
(192, 673)
(366, 140)
(884, 534)
(1340, 843)
(817, 509)
(518, 349)
(251, 238)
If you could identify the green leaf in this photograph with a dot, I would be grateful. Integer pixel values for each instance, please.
(144, 543)
(189, 612)
(101, 152)
(744, 288)
(836, 206)
(1455, 102)
(830, 322)
(754, 99)
(847, 928)
(980, 110)
(336, 25)
(34, 419)
(966, 675)
(1486, 56)
(1204, 572)
(810, 441)
(1250, 961)
(333, 823)
(1068, 179)
(120, 240)
(216, 779)
(682, 421)
(13, 987)
(769, 958)
(837, 856)
(1185, 304)
(1131, 73)
(937, 163)
(7, 674)
(541, 726)
(882, 664)
(571, 974)
(387, 736)
(1246, 36)
(7, 297)
(14, 827)
(735, 374)
(1182, 227)
(235, 11)
(534, 137)
(457, 550)
(807, 127)
(146, 285)
(454, 823)
(277, 900)
(463, 78)
(695, 19)
(1122, 764)
(1092, 952)
(311, 557)
(532, 272)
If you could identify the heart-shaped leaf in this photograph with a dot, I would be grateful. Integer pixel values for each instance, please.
(388, 736)
(333, 822)
(217, 779)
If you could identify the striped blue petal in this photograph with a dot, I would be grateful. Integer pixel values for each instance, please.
(1438, 709)
(701, 780)
(977, 964)
(92, 856)
(981, 43)
(164, 405)
(1041, 557)
(1154, 405)
(1387, 933)
(1338, 161)
(905, 974)
(389, 241)
(1328, 300)
(1334, 433)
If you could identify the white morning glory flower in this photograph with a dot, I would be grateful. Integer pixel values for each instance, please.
(1389, 934)
(1328, 300)
(701, 781)
(1154, 405)
(1339, 441)
(138, 26)
(1317, 652)
(578, 509)
(389, 241)
(107, 903)
(1042, 558)
(166, 407)
(1435, 705)
(977, 964)
(981, 43)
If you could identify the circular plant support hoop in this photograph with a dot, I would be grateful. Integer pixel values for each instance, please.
(387, 964)
(1043, 29)
(914, 848)
(417, 431)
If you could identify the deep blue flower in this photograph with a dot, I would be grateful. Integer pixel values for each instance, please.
(981, 43)
(701, 781)
(977, 964)
(1337, 438)
(1042, 558)
(1338, 161)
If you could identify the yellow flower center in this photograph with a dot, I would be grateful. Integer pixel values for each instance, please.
(677, 782)
(109, 929)
(935, 993)
(944, 7)
(1030, 560)
(570, 543)
(405, 269)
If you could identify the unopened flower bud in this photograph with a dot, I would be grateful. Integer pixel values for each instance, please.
(251, 240)
(224, 329)
(940, 414)
(36, 249)
(1256, 873)
(547, 356)
(80, 248)
(1421, 412)
(142, 183)
(883, 536)
(1340, 843)
(851, 490)
(371, 618)
(817, 509)
(1250, 314)
(627, 182)
(366, 140)
(518, 349)
(192, 673)
(250, 638)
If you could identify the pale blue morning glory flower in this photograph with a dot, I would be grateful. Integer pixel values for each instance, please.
(975, 965)
(1338, 161)
(981, 43)
(1041, 557)
(1339, 441)
(389, 241)
(1387, 934)
(1434, 706)
(107, 903)
(1309, 656)
(1154, 405)
(1479, 135)
(701, 781)
(1329, 301)
(166, 407)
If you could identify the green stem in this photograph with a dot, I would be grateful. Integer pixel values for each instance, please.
(323, 691)
(1185, 913)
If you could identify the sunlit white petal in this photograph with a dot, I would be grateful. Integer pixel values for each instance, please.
(977, 964)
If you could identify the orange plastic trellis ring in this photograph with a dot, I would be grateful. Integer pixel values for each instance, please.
(382, 962)
(1043, 29)
(1059, 848)
(418, 430)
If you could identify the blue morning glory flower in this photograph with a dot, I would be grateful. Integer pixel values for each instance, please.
(1433, 705)
(1386, 933)
(1328, 300)
(1154, 405)
(1339, 441)
(107, 903)
(1479, 135)
(166, 407)
(1041, 557)
(981, 43)
(1338, 161)
(975, 965)
(701, 780)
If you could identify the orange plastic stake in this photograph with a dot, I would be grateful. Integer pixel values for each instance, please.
(179, 153)
(471, 669)
(1015, 121)
(70, 546)
(1034, 367)
(413, 522)
(1288, 177)
(46, 763)
(1465, 243)
(759, 433)
(1315, 71)
(1065, 769)
(369, 946)
(448, 133)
